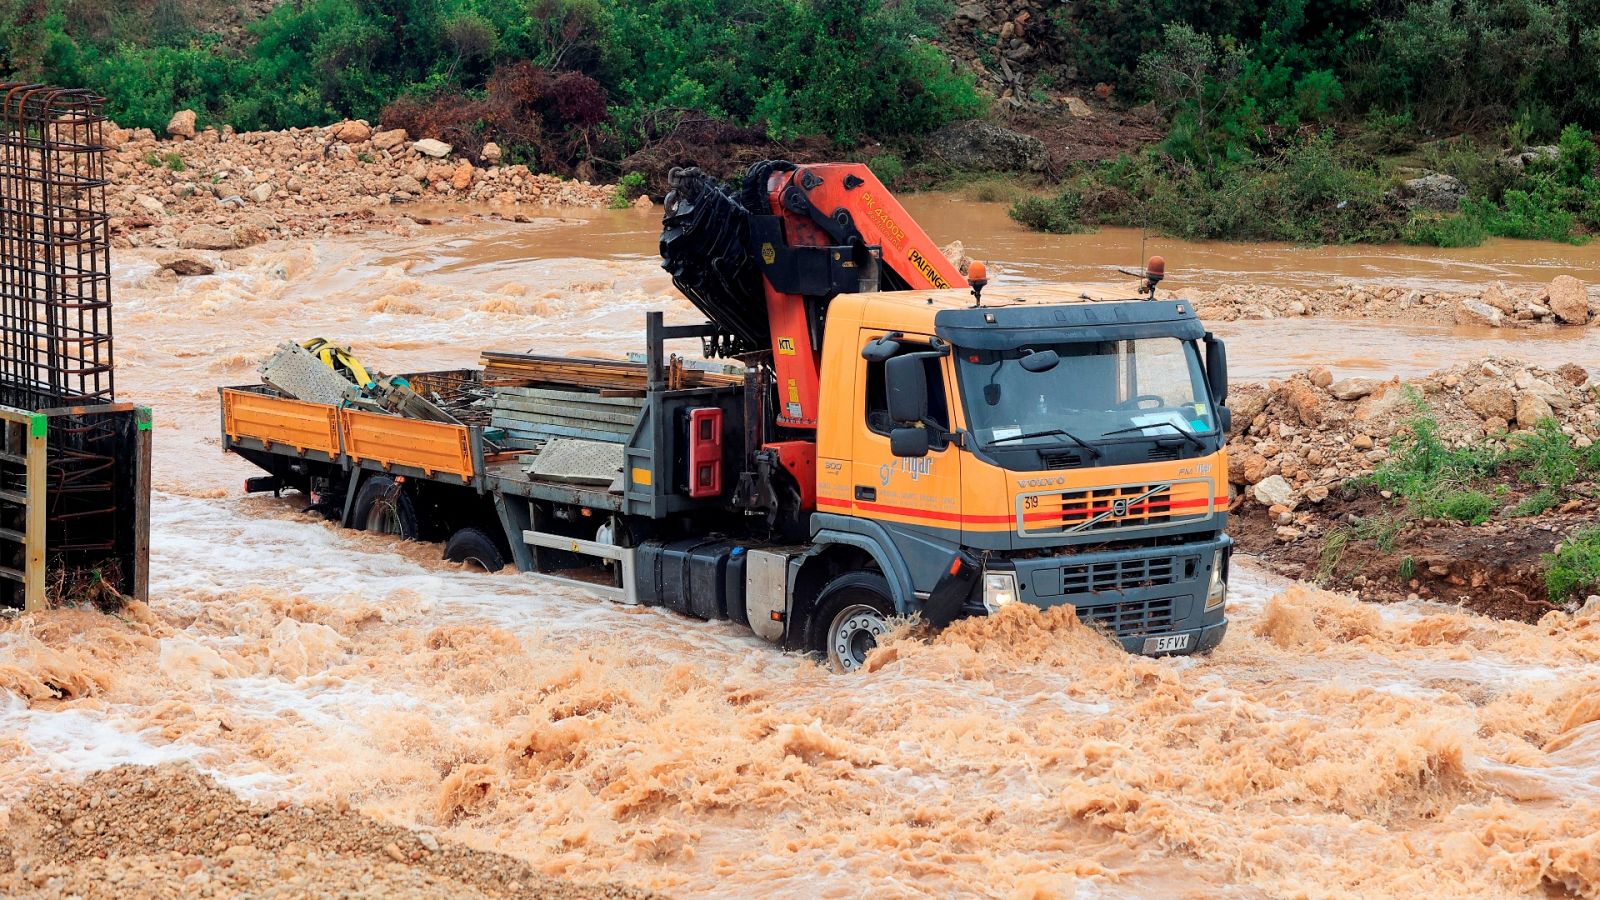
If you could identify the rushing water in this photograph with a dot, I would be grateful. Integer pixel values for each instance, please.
(1326, 748)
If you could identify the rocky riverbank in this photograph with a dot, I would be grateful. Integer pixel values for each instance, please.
(1564, 301)
(1454, 486)
(216, 189)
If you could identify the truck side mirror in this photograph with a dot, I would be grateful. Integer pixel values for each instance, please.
(1040, 360)
(909, 442)
(881, 349)
(1217, 369)
(907, 381)
(1224, 420)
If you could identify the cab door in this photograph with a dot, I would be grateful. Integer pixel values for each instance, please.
(917, 499)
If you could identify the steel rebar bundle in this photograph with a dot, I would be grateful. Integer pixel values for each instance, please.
(55, 243)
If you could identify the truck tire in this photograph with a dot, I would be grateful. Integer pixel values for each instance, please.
(474, 545)
(853, 613)
(383, 507)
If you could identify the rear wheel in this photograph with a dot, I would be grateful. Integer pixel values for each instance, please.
(383, 507)
(475, 546)
(854, 613)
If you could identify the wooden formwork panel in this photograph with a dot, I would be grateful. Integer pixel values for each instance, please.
(433, 447)
(279, 420)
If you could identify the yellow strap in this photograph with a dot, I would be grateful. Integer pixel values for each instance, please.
(332, 356)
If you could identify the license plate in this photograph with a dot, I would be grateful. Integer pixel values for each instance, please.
(1166, 643)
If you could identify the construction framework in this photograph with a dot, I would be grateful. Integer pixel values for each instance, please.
(74, 463)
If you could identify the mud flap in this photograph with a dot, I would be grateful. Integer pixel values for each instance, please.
(955, 586)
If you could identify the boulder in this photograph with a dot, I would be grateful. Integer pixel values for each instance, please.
(1349, 389)
(1531, 408)
(1304, 400)
(406, 184)
(1361, 442)
(461, 178)
(1476, 312)
(643, 201)
(1434, 191)
(181, 124)
(983, 146)
(1569, 300)
(249, 234)
(262, 192)
(1246, 468)
(491, 153)
(1079, 109)
(1495, 295)
(1274, 491)
(1573, 374)
(1321, 377)
(150, 205)
(207, 237)
(186, 264)
(352, 131)
(1492, 399)
(433, 148)
(388, 140)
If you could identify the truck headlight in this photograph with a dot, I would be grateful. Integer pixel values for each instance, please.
(1217, 590)
(999, 588)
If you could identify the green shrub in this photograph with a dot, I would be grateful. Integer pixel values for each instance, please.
(1057, 215)
(888, 167)
(174, 161)
(1450, 231)
(1540, 501)
(1433, 479)
(1575, 568)
(629, 188)
(1545, 455)
(1470, 506)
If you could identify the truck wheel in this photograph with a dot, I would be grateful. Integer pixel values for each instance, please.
(854, 613)
(383, 507)
(474, 545)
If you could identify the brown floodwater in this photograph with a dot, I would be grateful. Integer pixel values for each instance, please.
(1328, 748)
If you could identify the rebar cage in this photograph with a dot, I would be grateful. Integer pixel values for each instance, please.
(74, 463)
(55, 265)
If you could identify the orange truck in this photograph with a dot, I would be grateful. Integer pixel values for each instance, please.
(895, 442)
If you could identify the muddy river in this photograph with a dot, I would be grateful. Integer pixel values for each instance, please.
(1328, 748)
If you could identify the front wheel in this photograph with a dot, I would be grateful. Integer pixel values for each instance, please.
(854, 615)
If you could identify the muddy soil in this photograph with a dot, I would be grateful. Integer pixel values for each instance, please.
(1496, 569)
(168, 831)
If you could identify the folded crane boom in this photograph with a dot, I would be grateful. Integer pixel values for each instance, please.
(763, 263)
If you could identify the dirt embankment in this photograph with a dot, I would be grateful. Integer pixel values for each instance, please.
(169, 832)
(219, 190)
(1301, 447)
(1565, 301)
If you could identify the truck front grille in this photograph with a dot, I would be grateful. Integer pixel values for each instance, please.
(1121, 575)
(1130, 619)
(1122, 507)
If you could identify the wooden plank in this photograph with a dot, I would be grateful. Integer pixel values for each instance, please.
(141, 508)
(34, 560)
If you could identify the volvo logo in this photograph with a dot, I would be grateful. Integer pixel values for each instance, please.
(1119, 507)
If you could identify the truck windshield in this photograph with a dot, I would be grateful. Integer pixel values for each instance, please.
(1106, 390)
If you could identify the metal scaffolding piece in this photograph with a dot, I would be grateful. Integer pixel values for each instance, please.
(55, 249)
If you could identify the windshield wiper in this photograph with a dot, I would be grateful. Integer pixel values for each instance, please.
(1186, 435)
(1049, 432)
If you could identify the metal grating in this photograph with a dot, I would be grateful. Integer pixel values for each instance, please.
(55, 249)
(1129, 619)
(1122, 575)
